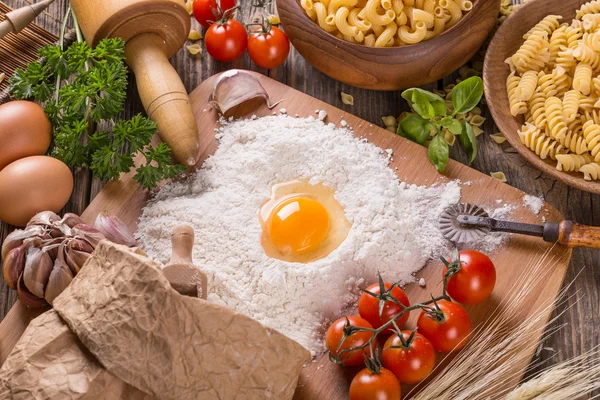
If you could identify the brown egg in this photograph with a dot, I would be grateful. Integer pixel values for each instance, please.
(31, 185)
(24, 131)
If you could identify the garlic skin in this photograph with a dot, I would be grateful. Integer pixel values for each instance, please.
(235, 87)
(114, 229)
(60, 277)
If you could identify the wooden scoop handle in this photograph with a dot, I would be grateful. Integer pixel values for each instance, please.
(181, 272)
(164, 97)
(576, 235)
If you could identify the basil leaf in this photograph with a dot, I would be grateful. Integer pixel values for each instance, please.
(415, 128)
(453, 125)
(438, 103)
(438, 153)
(422, 105)
(469, 141)
(466, 95)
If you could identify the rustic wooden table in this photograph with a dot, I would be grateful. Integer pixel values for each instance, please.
(581, 318)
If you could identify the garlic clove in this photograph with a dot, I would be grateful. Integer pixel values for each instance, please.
(75, 258)
(27, 298)
(38, 266)
(60, 278)
(91, 235)
(71, 220)
(14, 265)
(114, 229)
(81, 244)
(235, 87)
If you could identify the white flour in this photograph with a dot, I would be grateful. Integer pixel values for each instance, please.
(394, 227)
(535, 204)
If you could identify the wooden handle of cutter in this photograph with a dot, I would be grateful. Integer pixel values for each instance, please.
(164, 97)
(181, 272)
(576, 235)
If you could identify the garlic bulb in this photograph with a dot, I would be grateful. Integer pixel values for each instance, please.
(41, 260)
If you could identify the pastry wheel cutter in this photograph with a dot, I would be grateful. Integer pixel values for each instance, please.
(465, 223)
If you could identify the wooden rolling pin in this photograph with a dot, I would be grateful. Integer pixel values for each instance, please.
(18, 19)
(153, 30)
(181, 272)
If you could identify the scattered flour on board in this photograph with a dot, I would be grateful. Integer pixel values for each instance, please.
(394, 225)
(535, 204)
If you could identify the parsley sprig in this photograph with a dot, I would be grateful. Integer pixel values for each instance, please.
(82, 87)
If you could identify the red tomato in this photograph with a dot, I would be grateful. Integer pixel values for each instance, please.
(369, 386)
(336, 332)
(203, 10)
(269, 50)
(475, 280)
(226, 41)
(450, 332)
(410, 364)
(368, 307)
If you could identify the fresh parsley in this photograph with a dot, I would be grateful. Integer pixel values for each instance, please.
(82, 88)
(432, 121)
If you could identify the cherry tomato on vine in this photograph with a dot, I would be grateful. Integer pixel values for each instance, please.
(203, 10)
(474, 280)
(367, 385)
(368, 306)
(336, 332)
(268, 47)
(226, 40)
(411, 364)
(447, 328)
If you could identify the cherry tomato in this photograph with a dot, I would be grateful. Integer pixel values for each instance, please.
(203, 10)
(450, 332)
(226, 41)
(369, 386)
(475, 280)
(368, 307)
(410, 364)
(336, 332)
(269, 50)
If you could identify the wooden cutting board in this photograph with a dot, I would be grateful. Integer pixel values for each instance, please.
(322, 379)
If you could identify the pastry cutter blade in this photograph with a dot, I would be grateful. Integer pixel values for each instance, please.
(464, 223)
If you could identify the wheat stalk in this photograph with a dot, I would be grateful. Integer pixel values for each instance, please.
(499, 347)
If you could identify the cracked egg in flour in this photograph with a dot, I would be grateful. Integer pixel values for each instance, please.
(302, 222)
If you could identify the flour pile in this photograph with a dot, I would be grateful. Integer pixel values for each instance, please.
(394, 225)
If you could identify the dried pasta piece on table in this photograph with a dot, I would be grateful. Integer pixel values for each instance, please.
(498, 138)
(499, 175)
(347, 99)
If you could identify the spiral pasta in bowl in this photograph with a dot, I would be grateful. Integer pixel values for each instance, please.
(387, 44)
(542, 75)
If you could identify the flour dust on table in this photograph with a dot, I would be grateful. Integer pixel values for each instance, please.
(394, 225)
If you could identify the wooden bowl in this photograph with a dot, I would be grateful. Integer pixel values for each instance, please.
(391, 68)
(506, 42)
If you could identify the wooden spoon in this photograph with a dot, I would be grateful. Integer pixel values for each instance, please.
(184, 277)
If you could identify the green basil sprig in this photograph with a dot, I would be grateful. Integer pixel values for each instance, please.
(431, 118)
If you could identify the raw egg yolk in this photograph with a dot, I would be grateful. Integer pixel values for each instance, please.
(298, 225)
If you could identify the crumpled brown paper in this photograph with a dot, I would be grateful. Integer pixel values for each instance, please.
(126, 314)
(49, 362)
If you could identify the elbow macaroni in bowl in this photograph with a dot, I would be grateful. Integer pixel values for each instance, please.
(386, 23)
